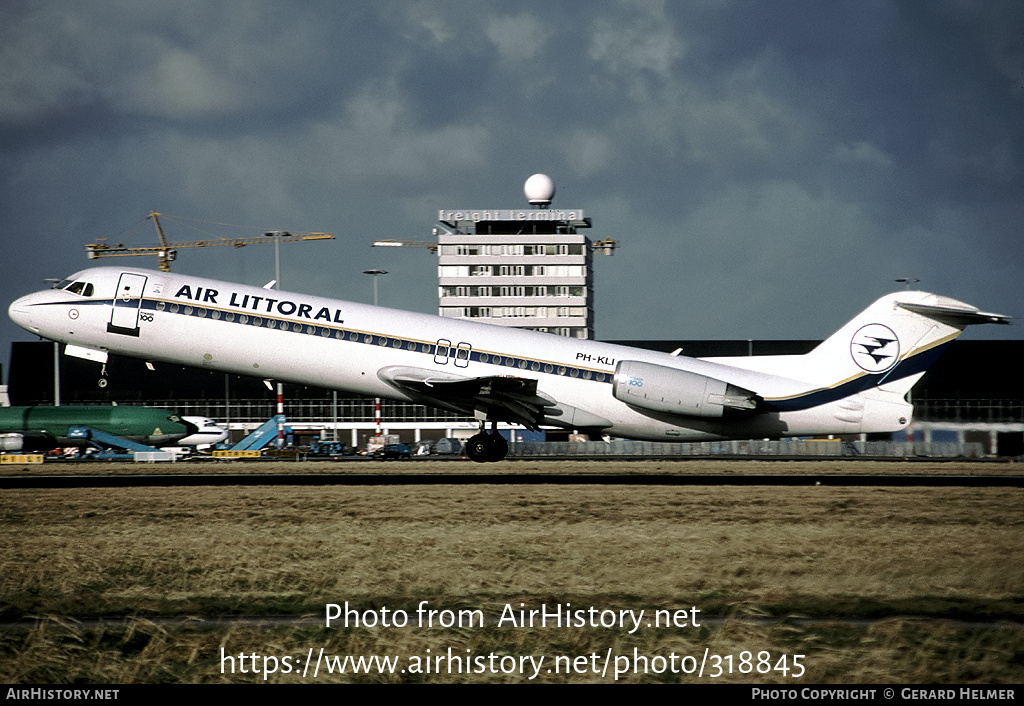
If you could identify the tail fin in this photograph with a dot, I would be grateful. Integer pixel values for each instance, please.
(890, 344)
(856, 381)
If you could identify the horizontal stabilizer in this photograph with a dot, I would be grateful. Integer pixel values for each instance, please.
(955, 316)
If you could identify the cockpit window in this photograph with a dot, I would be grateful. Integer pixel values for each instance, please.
(83, 288)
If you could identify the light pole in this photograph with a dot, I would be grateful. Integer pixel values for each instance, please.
(375, 274)
(280, 386)
(376, 400)
(56, 374)
(277, 235)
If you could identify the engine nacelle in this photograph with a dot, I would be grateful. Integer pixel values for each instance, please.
(12, 442)
(662, 389)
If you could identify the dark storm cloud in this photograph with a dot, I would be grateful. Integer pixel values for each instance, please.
(768, 167)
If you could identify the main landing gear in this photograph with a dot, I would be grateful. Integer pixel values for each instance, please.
(487, 448)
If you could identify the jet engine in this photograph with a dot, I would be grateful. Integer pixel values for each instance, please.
(661, 389)
(12, 442)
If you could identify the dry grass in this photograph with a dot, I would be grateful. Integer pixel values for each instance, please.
(861, 552)
(610, 465)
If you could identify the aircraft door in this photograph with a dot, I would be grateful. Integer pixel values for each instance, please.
(441, 351)
(124, 318)
(462, 355)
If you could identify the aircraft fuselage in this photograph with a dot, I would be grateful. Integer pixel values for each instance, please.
(43, 427)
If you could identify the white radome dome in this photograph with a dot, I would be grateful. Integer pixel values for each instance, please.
(539, 189)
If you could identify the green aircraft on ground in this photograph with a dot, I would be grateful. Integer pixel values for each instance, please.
(44, 428)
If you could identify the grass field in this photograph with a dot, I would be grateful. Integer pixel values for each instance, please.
(928, 582)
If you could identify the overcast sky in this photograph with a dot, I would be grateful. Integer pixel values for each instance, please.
(769, 168)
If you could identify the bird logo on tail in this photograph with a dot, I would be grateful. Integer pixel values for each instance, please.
(875, 348)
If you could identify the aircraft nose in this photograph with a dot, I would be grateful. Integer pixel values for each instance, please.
(21, 313)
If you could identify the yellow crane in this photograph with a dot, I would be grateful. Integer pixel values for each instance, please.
(431, 245)
(166, 251)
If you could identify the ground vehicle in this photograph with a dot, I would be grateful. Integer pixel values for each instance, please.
(393, 451)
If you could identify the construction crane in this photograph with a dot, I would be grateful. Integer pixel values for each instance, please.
(389, 243)
(166, 252)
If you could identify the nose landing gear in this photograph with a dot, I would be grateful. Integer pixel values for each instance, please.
(487, 448)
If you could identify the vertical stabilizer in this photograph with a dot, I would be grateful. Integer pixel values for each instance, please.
(892, 343)
(861, 374)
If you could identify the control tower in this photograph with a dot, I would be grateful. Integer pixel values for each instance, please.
(527, 268)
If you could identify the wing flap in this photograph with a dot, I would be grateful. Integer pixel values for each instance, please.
(509, 399)
(499, 397)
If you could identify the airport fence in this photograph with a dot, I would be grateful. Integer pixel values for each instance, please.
(361, 409)
(988, 410)
(347, 409)
(781, 447)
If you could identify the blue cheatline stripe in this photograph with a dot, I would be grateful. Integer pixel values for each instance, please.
(911, 365)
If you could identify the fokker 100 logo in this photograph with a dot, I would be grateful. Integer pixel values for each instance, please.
(875, 348)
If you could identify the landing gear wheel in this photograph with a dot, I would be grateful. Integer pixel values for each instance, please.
(499, 447)
(478, 448)
(486, 448)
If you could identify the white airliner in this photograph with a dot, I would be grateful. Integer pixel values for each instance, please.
(854, 382)
(207, 432)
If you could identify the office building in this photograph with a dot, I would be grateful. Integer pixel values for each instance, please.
(527, 268)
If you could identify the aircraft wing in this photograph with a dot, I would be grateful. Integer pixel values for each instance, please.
(507, 398)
